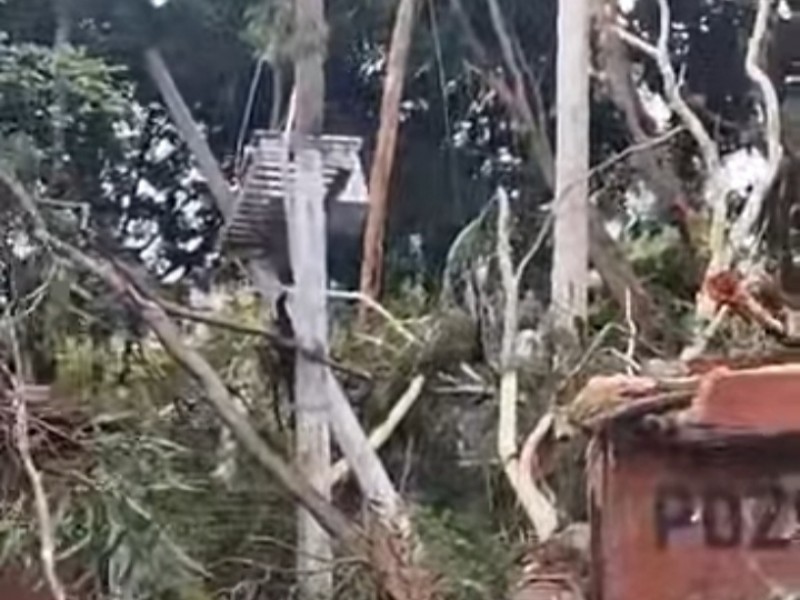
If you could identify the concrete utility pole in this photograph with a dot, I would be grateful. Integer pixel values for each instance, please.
(307, 305)
(571, 236)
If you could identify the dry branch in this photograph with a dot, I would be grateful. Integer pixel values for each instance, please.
(537, 507)
(660, 53)
(47, 543)
(745, 224)
(373, 304)
(653, 163)
(381, 434)
(715, 188)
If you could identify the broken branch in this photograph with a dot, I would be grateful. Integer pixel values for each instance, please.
(47, 544)
(373, 304)
(537, 507)
(176, 310)
(746, 221)
(381, 434)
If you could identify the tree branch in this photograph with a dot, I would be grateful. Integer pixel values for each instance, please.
(660, 53)
(746, 221)
(381, 434)
(634, 41)
(261, 271)
(182, 116)
(538, 508)
(378, 308)
(177, 310)
(653, 164)
(47, 544)
(609, 260)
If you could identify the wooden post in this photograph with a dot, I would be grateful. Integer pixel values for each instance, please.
(570, 206)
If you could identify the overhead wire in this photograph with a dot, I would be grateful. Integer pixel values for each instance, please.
(247, 114)
(437, 45)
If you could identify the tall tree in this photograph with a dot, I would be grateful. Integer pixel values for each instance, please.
(570, 204)
(382, 162)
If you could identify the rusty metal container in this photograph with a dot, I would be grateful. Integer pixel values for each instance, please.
(701, 503)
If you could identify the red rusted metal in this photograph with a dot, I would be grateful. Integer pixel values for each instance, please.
(16, 586)
(709, 507)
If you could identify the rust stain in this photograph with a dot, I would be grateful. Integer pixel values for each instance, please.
(766, 399)
(712, 521)
(15, 586)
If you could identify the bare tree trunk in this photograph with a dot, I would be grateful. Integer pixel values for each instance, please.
(307, 304)
(570, 205)
(382, 162)
(190, 133)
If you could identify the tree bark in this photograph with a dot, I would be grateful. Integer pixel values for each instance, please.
(570, 206)
(383, 160)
